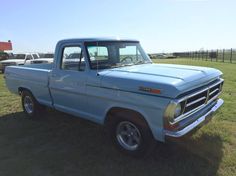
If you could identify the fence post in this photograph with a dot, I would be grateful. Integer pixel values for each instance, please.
(223, 55)
(211, 55)
(231, 54)
(206, 55)
(217, 55)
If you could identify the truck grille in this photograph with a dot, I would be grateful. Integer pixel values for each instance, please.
(202, 97)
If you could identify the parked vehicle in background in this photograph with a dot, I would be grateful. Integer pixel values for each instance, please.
(170, 56)
(46, 55)
(167, 56)
(113, 82)
(162, 56)
(3, 56)
(10, 54)
(72, 60)
(18, 59)
(43, 58)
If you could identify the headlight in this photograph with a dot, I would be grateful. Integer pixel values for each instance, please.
(178, 110)
(173, 110)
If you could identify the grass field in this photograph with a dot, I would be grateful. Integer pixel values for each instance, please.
(56, 144)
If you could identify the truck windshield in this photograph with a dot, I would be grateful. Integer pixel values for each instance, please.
(18, 56)
(104, 55)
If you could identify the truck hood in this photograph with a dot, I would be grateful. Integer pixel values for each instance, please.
(171, 80)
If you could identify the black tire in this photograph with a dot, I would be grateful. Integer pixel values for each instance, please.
(30, 105)
(147, 142)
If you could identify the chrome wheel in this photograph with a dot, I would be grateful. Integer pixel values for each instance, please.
(28, 104)
(128, 135)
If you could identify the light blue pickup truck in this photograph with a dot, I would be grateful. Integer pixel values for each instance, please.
(113, 82)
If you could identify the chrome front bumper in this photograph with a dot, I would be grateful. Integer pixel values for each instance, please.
(195, 123)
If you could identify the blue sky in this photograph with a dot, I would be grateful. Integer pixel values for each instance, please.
(160, 25)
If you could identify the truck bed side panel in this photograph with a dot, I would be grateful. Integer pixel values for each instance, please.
(33, 79)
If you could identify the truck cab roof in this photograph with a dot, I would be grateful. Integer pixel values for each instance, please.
(99, 39)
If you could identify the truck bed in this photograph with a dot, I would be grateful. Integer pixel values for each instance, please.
(34, 77)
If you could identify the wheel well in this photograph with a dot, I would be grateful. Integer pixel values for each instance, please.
(21, 89)
(117, 112)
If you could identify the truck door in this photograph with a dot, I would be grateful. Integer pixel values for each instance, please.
(67, 81)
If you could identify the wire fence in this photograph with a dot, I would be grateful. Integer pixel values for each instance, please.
(219, 55)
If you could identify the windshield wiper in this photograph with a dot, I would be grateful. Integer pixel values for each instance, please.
(139, 62)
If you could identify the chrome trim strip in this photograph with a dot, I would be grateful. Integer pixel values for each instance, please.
(221, 86)
(213, 85)
(185, 102)
(207, 96)
(192, 95)
(195, 101)
(214, 91)
(213, 98)
(195, 123)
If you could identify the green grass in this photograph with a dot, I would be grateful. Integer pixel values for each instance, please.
(58, 144)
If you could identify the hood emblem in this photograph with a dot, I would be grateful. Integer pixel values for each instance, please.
(150, 90)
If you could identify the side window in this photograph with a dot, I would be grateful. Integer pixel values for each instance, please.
(73, 59)
(98, 53)
(29, 57)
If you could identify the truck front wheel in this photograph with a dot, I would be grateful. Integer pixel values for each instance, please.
(30, 105)
(132, 136)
